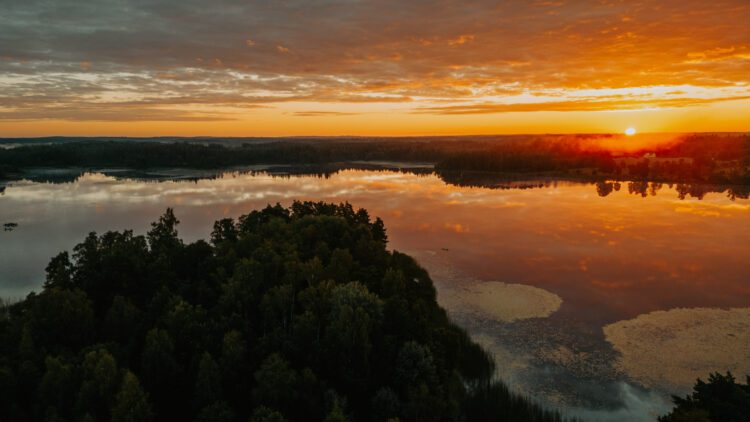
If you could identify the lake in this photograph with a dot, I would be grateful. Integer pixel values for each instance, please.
(599, 300)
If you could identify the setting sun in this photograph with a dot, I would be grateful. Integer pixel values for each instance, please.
(630, 131)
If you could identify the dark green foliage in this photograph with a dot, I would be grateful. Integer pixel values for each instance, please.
(131, 403)
(60, 320)
(709, 158)
(99, 384)
(59, 271)
(56, 387)
(296, 313)
(207, 382)
(219, 411)
(276, 383)
(265, 414)
(719, 399)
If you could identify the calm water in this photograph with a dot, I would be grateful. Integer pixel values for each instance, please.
(597, 305)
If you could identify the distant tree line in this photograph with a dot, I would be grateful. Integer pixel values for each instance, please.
(719, 159)
(296, 313)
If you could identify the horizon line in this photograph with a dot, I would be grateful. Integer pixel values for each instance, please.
(2, 138)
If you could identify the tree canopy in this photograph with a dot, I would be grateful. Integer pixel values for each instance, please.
(722, 398)
(297, 313)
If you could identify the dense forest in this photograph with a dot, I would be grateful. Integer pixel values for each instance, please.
(297, 313)
(717, 159)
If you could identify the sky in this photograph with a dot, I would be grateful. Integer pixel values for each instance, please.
(372, 67)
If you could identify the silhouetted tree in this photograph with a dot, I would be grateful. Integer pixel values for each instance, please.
(719, 399)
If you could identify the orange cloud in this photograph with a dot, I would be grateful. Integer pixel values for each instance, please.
(417, 59)
(460, 40)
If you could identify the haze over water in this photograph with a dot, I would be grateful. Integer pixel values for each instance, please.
(534, 274)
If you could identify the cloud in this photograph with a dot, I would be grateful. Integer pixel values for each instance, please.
(115, 112)
(475, 51)
(591, 104)
(461, 39)
(314, 113)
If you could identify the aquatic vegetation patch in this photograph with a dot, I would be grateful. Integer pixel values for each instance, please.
(671, 349)
(506, 302)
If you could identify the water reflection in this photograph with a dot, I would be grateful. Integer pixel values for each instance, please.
(488, 180)
(604, 250)
(610, 251)
(603, 187)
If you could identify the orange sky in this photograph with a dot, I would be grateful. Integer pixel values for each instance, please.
(367, 67)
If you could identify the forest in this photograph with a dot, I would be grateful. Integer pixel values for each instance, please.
(700, 158)
(298, 313)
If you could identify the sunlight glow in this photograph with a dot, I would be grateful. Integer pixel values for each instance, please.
(405, 73)
(630, 131)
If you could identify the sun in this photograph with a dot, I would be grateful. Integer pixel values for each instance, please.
(630, 131)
